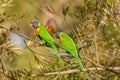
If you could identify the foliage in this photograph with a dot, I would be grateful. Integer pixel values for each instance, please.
(93, 28)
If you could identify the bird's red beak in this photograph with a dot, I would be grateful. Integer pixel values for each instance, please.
(31, 25)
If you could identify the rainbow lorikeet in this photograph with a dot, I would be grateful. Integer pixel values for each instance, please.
(50, 25)
(69, 45)
(43, 34)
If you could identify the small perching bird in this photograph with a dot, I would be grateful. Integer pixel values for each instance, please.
(69, 45)
(43, 34)
(50, 26)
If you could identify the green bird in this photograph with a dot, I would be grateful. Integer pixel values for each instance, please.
(44, 35)
(69, 45)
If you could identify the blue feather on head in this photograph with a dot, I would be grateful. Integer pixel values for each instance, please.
(58, 35)
(49, 21)
(34, 24)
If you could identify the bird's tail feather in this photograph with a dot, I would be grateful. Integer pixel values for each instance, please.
(57, 53)
(79, 63)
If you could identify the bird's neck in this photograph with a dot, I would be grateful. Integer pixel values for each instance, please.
(36, 31)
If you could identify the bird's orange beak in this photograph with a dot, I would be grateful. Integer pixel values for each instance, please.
(31, 25)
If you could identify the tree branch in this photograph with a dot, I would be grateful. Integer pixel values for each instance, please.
(75, 71)
(21, 35)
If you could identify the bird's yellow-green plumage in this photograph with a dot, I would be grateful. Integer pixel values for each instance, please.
(43, 34)
(69, 45)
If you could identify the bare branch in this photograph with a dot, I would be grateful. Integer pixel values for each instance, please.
(6, 3)
(75, 71)
(21, 35)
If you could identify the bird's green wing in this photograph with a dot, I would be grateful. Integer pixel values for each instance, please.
(43, 33)
(68, 44)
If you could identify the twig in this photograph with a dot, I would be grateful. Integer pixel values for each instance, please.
(5, 3)
(56, 78)
(4, 68)
(33, 51)
(97, 75)
(95, 31)
(21, 35)
(92, 62)
(96, 45)
(74, 71)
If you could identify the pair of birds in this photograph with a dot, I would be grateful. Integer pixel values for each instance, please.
(66, 42)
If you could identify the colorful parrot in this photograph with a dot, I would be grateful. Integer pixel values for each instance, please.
(69, 45)
(50, 25)
(43, 34)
